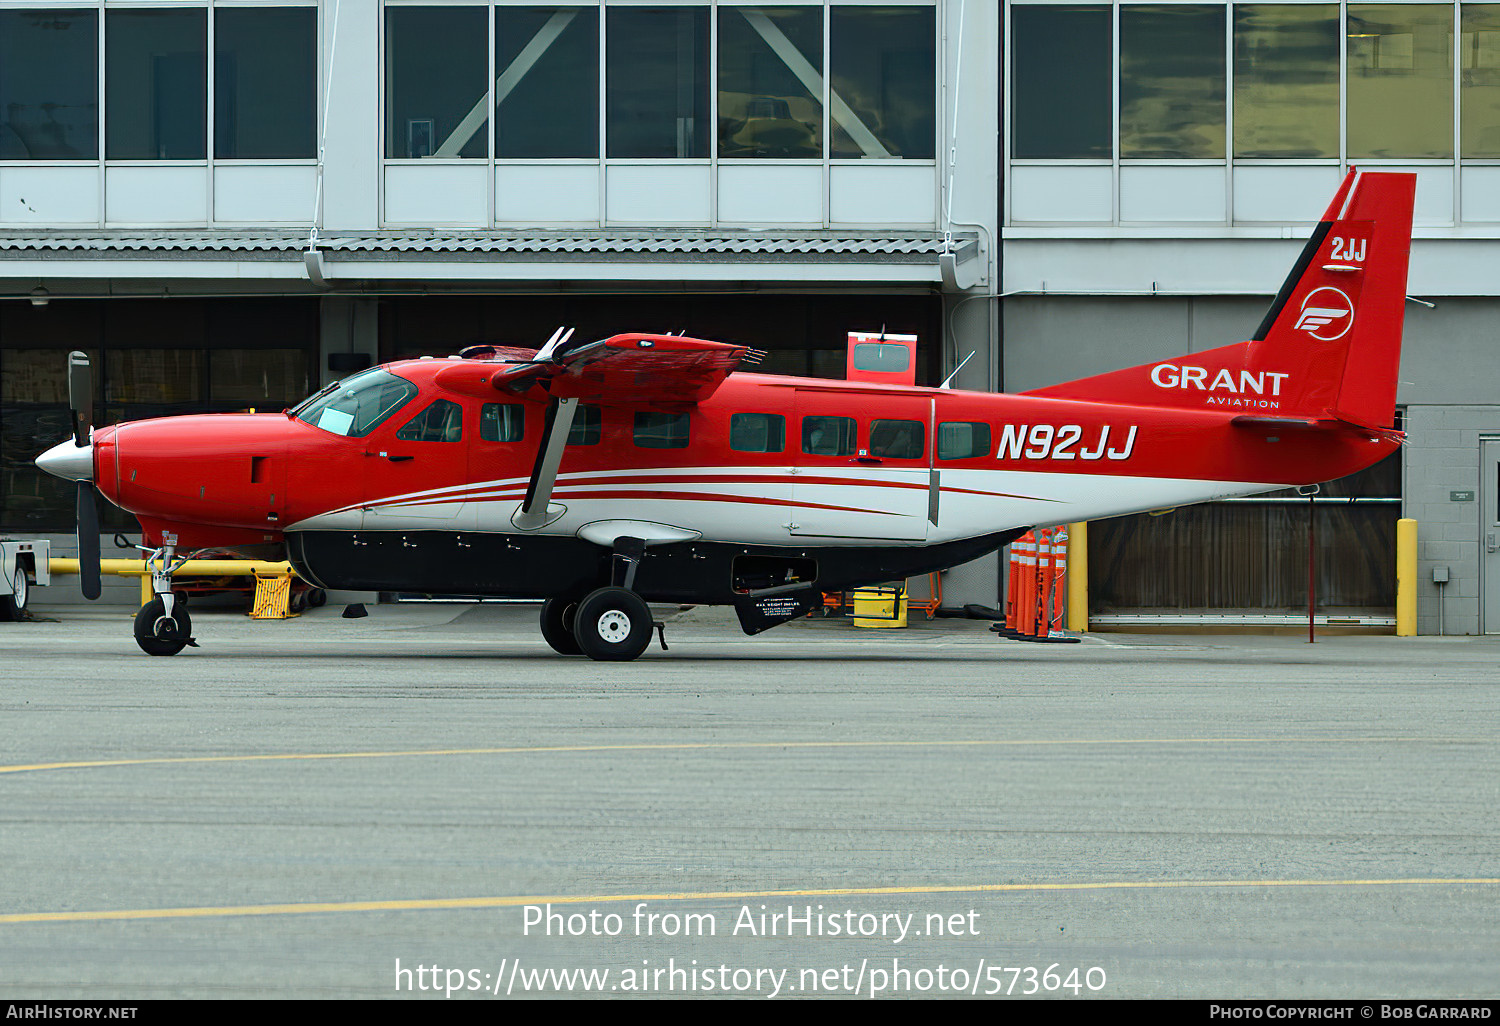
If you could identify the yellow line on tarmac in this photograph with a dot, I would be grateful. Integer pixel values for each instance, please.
(438, 904)
(725, 746)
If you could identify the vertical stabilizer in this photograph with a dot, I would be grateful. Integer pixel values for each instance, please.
(1330, 346)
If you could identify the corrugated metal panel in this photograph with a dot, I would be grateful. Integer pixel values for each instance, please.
(925, 244)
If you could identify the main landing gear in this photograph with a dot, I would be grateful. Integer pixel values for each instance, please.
(610, 624)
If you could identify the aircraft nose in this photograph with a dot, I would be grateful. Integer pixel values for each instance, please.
(68, 461)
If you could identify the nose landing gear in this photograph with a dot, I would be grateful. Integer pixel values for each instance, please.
(163, 627)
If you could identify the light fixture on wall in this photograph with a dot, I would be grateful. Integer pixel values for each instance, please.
(40, 296)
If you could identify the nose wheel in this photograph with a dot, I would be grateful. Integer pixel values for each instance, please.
(160, 634)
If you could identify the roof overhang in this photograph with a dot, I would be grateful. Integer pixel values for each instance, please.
(828, 256)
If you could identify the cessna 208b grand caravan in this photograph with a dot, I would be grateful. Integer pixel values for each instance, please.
(598, 476)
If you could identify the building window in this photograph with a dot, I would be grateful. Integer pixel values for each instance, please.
(656, 85)
(547, 82)
(1060, 82)
(1479, 80)
(265, 83)
(49, 85)
(1172, 82)
(1286, 80)
(661, 430)
(156, 84)
(1400, 61)
(757, 432)
(883, 81)
(436, 96)
(770, 82)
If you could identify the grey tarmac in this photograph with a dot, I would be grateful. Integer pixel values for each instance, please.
(308, 808)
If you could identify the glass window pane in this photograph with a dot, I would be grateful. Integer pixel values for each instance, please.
(358, 404)
(1172, 82)
(881, 356)
(661, 430)
(586, 425)
(265, 82)
(436, 96)
(883, 81)
(963, 440)
(1061, 96)
(154, 376)
(265, 378)
(828, 436)
(1479, 78)
(1286, 80)
(156, 85)
(898, 439)
(49, 85)
(502, 422)
(757, 432)
(657, 82)
(547, 82)
(770, 82)
(1400, 80)
(443, 421)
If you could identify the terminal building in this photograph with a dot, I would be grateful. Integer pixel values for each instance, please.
(228, 203)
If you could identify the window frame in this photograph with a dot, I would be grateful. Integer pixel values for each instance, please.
(602, 162)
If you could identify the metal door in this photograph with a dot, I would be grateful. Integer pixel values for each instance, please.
(1489, 496)
(861, 465)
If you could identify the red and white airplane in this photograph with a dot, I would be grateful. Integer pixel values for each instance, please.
(602, 475)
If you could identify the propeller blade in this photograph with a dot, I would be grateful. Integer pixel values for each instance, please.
(80, 397)
(88, 540)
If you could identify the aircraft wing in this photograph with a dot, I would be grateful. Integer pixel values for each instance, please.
(630, 369)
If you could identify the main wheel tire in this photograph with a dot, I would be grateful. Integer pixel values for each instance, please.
(557, 624)
(174, 634)
(612, 625)
(13, 606)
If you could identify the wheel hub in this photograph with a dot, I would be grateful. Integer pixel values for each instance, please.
(614, 626)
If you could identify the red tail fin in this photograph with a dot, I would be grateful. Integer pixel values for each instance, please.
(1329, 347)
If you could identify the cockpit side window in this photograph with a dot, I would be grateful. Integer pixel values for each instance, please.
(357, 405)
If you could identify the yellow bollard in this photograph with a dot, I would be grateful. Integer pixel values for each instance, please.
(1078, 577)
(1406, 578)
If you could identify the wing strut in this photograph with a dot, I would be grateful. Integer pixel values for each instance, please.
(534, 511)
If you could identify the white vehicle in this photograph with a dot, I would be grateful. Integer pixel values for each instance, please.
(23, 564)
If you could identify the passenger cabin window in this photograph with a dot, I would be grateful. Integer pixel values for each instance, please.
(898, 439)
(757, 432)
(357, 405)
(585, 429)
(443, 421)
(502, 422)
(828, 436)
(963, 440)
(661, 430)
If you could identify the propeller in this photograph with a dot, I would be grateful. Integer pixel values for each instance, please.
(81, 410)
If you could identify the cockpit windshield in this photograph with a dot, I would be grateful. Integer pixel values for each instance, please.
(358, 404)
